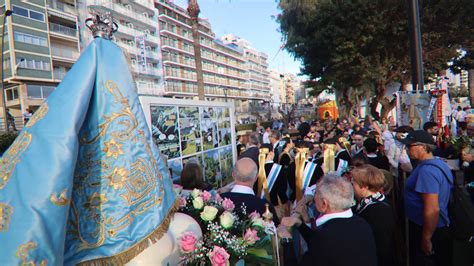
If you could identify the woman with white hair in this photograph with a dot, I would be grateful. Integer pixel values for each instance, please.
(337, 229)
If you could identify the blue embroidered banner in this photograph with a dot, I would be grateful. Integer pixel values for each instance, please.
(83, 181)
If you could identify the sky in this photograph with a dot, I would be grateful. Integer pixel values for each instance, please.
(251, 20)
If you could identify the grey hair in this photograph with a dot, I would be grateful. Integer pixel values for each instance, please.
(245, 170)
(254, 138)
(337, 190)
(429, 148)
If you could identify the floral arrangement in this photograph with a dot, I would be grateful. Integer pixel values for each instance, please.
(460, 143)
(230, 236)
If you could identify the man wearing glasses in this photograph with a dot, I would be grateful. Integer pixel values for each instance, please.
(427, 192)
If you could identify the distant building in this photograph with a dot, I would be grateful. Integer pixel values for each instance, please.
(137, 35)
(41, 44)
(276, 87)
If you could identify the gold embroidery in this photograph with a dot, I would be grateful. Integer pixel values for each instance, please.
(39, 114)
(112, 148)
(12, 157)
(62, 200)
(22, 254)
(118, 177)
(135, 183)
(6, 212)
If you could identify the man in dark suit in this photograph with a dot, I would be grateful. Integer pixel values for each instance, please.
(340, 237)
(245, 174)
(277, 146)
(252, 150)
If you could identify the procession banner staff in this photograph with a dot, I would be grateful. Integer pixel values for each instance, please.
(262, 175)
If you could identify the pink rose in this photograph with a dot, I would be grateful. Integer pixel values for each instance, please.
(182, 202)
(254, 215)
(251, 236)
(206, 196)
(188, 242)
(218, 198)
(228, 204)
(219, 257)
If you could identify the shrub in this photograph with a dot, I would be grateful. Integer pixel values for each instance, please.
(6, 139)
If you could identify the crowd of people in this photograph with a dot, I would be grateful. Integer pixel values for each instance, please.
(361, 181)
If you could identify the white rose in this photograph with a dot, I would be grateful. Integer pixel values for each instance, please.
(195, 193)
(198, 203)
(209, 213)
(258, 222)
(227, 220)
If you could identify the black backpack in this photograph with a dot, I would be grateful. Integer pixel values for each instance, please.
(460, 209)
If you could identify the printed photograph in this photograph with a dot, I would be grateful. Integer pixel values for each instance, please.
(189, 130)
(164, 128)
(225, 158)
(212, 171)
(209, 128)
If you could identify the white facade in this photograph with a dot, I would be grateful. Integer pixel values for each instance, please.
(138, 37)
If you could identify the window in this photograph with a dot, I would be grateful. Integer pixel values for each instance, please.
(39, 91)
(27, 13)
(33, 64)
(20, 11)
(30, 39)
(36, 15)
(11, 93)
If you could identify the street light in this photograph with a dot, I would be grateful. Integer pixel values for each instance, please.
(6, 14)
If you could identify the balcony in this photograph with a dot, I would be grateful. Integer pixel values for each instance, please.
(66, 10)
(148, 71)
(59, 74)
(133, 32)
(124, 11)
(63, 30)
(65, 53)
(148, 89)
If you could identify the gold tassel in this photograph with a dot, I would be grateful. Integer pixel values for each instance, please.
(129, 254)
(299, 167)
(329, 153)
(262, 175)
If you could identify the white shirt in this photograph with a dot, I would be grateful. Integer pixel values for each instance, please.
(243, 190)
(461, 116)
(323, 219)
(266, 138)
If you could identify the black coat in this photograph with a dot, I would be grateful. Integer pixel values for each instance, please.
(338, 242)
(251, 153)
(382, 221)
(344, 155)
(291, 176)
(252, 203)
(381, 161)
(280, 187)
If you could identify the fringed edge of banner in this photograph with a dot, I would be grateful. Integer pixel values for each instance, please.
(129, 254)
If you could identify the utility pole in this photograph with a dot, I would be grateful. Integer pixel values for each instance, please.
(193, 11)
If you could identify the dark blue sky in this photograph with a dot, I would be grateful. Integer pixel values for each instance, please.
(251, 20)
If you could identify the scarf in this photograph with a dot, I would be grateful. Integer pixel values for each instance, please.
(367, 201)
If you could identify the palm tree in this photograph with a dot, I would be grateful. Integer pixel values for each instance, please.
(193, 11)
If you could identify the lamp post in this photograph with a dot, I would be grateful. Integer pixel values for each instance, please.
(415, 44)
(6, 14)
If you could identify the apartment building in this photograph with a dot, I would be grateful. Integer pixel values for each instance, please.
(231, 70)
(258, 75)
(41, 44)
(138, 37)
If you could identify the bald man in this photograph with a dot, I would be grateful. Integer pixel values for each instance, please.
(245, 174)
